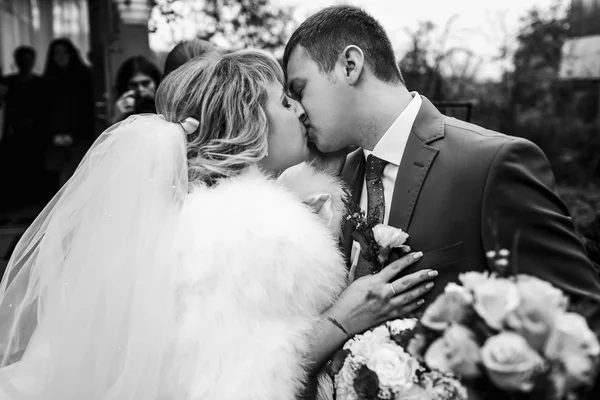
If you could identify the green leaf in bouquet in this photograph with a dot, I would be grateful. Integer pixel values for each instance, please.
(403, 337)
(366, 384)
(337, 362)
(420, 340)
(365, 247)
(480, 328)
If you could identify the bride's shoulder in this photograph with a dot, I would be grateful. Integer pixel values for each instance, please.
(304, 180)
(251, 196)
(323, 192)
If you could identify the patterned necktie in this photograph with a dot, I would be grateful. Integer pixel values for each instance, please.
(375, 205)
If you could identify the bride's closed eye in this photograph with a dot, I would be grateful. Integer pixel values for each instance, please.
(286, 103)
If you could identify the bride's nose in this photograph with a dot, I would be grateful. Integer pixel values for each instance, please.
(300, 112)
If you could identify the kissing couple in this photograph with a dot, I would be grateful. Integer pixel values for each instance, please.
(202, 253)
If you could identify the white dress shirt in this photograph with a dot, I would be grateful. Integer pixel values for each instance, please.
(391, 149)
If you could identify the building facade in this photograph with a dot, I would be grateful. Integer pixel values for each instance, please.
(584, 17)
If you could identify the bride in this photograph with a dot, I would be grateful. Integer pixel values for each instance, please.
(193, 255)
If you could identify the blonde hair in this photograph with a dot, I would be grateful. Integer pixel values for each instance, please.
(227, 94)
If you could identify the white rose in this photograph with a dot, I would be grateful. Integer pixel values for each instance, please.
(472, 279)
(398, 325)
(380, 333)
(573, 344)
(540, 304)
(388, 236)
(494, 299)
(395, 368)
(364, 345)
(447, 308)
(511, 363)
(455, 288)
(554, 297)
(456, 351)
(442, 386)
(344, 382)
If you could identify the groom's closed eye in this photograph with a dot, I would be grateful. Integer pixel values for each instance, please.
(296, 90)
(296, 95)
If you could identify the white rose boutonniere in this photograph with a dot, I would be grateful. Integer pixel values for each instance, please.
(388, 238)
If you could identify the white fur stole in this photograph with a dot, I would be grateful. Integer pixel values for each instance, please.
(257, 267)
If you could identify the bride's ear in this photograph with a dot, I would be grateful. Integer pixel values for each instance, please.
(353, 62)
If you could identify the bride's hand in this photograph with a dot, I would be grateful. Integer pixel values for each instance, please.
(374, 299)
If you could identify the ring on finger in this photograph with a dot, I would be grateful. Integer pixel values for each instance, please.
(393, 290)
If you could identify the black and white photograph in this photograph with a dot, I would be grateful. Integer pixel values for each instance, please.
(299, 200)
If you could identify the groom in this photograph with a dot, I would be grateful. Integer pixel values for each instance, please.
(459, 190)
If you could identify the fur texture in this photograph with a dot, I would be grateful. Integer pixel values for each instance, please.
(304, 181)
(257, 267)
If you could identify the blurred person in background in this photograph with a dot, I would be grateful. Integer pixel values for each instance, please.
(3, 90)
(71, 107)
(3, 153)
(25, 136)
(137, 80)
(185, 51)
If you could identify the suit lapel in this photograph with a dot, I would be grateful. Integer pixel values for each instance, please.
(416, 162)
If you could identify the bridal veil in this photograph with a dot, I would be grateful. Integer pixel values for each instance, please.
(85, 302)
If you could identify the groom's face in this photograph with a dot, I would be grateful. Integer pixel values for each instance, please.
(327, 100)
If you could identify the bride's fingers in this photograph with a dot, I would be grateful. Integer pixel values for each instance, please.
(398, 266)
(404, 283)
(410, 299)
(404, 311)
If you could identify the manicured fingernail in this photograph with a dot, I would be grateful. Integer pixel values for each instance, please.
(420, 302)
(432, 273)
(418, 254)
(429, 285)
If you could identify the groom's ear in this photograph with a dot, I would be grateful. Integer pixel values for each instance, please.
(353, 61)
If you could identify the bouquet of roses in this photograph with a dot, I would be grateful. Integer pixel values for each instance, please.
(376, 365)
(509, 337)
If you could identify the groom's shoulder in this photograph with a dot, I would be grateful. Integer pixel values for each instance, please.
(455, 128)
(467, 135)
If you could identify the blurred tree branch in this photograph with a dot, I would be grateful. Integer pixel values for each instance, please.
(430, 62)
(231, 24)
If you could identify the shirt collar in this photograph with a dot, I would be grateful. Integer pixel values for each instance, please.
(391, 145)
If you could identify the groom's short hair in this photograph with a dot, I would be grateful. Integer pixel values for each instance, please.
(325, 34)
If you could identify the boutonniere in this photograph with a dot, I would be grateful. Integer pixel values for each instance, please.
(376, 240)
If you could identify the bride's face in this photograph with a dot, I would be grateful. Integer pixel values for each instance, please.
(287, 134)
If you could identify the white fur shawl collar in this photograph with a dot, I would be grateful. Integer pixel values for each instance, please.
(257, 268)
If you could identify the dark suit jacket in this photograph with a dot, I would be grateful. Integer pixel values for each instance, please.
(462, 190)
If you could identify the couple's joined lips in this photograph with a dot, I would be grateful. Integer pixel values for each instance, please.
(305, 129)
